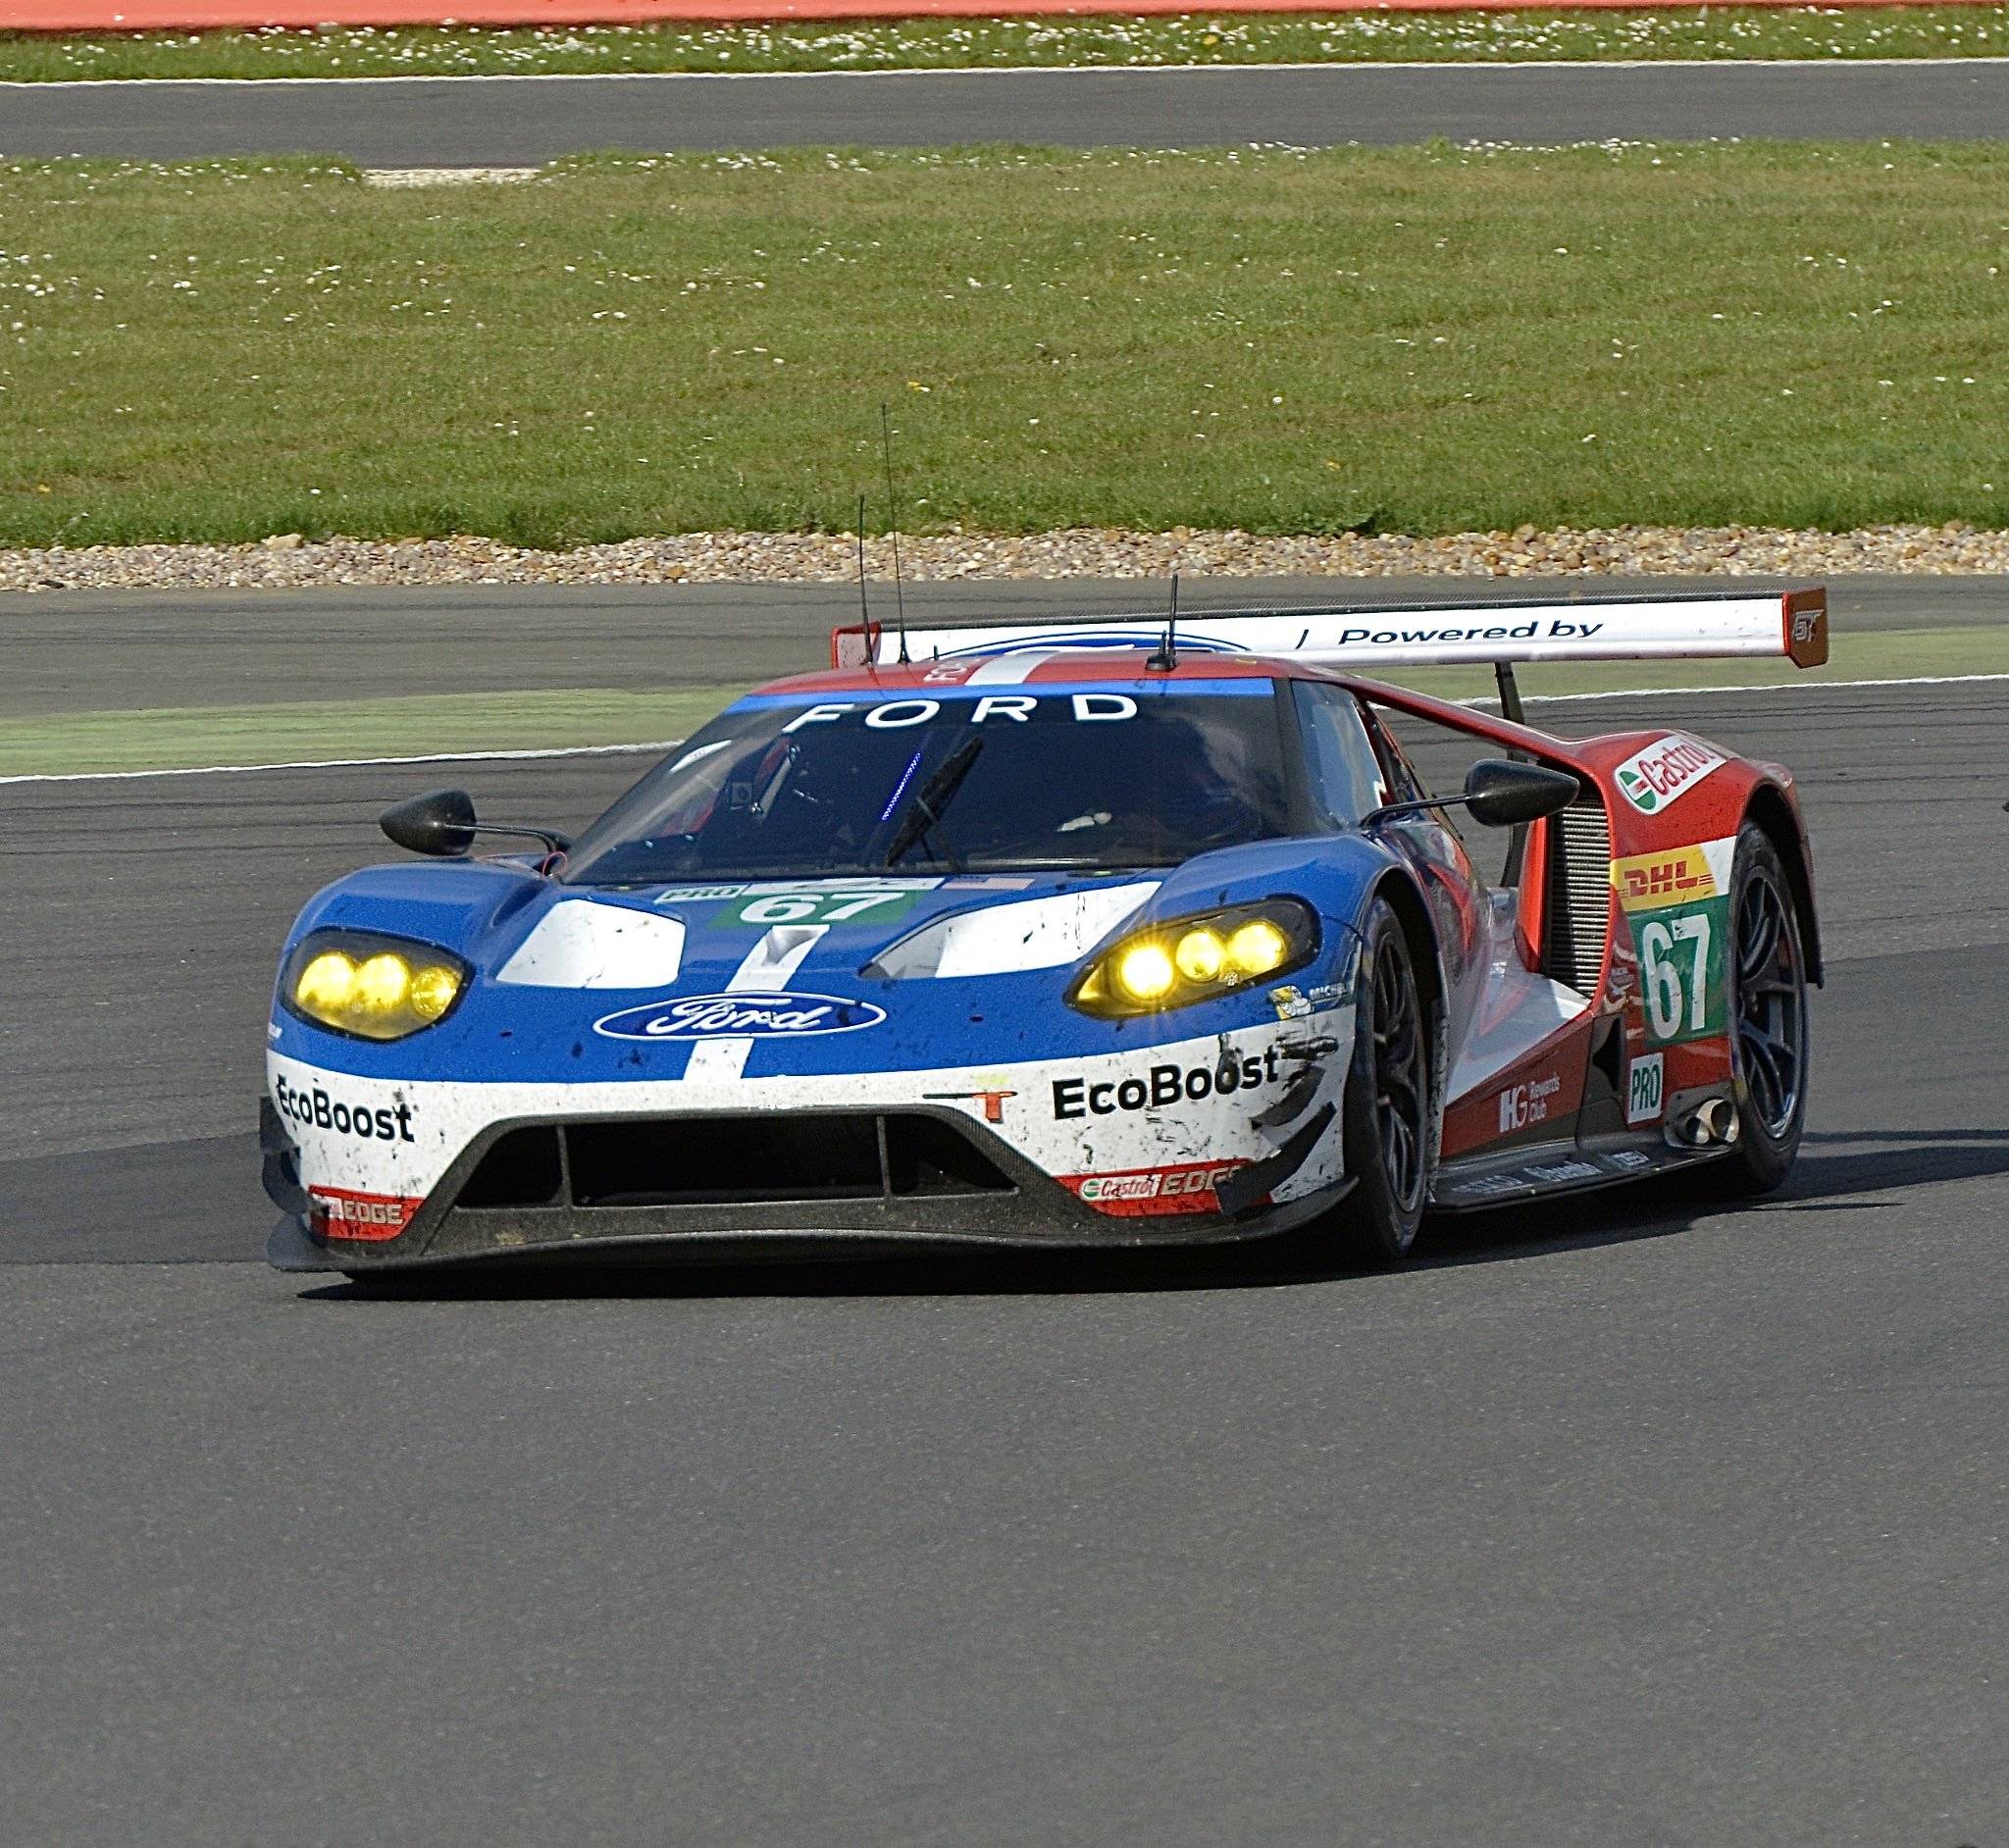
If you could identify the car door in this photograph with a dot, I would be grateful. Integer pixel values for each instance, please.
(1521, 1063)
(1437, 856)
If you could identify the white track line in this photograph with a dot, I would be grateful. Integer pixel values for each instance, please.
(668, 744)
(1816, 686)
(1002, 69)
(345, 763)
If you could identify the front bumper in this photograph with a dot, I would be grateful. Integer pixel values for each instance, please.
(1229, 1138)
(741, 1176)
(1013, 1206)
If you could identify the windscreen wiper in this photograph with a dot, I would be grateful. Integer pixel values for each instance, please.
(930, 800)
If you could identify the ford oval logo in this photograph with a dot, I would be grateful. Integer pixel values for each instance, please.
(739, 1016)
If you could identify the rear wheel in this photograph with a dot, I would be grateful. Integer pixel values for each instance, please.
(1767, 1017)
(1387, 1108)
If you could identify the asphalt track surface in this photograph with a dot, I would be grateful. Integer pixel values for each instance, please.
(90, 651)
(458, 122)
(1644, 1522)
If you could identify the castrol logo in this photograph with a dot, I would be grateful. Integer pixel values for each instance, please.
(1665, 771)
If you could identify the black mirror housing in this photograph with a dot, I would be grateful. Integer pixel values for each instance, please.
(442, 824)
(1501, 794)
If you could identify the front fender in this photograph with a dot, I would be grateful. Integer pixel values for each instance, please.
(1335, 874)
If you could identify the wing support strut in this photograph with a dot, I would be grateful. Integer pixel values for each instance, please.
(1510, 709)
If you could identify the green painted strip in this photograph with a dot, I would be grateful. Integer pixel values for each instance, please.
(192, 736)
(425, 724)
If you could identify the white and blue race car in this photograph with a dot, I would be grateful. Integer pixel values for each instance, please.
(1060, 938)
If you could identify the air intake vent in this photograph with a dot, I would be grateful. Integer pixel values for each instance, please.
(1579, 906)
(720, 1161)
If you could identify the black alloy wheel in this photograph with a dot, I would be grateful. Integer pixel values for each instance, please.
(1389, 1102)
(1399, 1073)
(1768, 1003)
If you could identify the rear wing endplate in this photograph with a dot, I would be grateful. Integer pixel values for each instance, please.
(1792, 624)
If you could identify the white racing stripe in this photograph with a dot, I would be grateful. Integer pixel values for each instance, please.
(1012, 670)
(1785, 686)
(768, 965)
(583, 942)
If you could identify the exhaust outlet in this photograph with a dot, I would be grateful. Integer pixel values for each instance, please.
(1717, 1120)
(1712, 1124)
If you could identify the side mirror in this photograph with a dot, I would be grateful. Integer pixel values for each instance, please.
(1500, 794)
(442, 824)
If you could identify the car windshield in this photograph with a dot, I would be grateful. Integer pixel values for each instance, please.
(991, 779)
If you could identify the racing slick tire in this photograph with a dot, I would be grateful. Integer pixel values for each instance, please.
(1768, 1021)
(1387, 1110)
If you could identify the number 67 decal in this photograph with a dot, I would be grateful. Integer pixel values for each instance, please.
(1682, 988)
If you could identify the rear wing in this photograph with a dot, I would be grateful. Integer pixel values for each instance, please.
(1790, 623)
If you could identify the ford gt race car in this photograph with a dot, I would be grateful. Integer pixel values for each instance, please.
(1085, 935)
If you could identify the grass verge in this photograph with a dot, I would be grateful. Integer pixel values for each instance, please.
(1707, 32)
(93, 742)
(1416, 340)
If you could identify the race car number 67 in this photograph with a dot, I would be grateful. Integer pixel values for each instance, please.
(793, 909)
(1663, 978)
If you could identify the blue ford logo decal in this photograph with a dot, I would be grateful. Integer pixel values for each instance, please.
(739, 1016)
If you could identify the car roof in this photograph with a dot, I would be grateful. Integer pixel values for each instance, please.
(1073, 667)
(1034, 667)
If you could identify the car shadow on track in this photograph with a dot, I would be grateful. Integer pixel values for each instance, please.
(1835, 1172)
(1838, 1171)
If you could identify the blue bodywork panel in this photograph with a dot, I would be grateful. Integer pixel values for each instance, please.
(483, 911)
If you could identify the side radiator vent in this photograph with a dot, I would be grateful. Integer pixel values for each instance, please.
(1580, 899)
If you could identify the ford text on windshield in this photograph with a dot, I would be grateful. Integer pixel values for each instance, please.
(1048, 777)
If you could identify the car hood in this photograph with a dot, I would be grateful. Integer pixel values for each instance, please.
(823, 975)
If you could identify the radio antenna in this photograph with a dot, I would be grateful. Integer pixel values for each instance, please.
(892, 518)
(1168, 656)
(864, 607)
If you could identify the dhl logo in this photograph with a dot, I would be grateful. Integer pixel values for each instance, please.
(1648, 880)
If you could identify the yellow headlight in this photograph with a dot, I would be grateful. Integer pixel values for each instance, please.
(374, 991)
(383, 983)
(433, 990)
(326, 983)
(1146, 973)
(1258, 947)
(1204, 957)
(1200, 955)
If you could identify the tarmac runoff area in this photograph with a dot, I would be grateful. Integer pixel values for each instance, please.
(91, 651)
(1636, 1521)
(405, 122)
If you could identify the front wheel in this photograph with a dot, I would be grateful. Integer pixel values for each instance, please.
(1387, 1111)
(1768, 983)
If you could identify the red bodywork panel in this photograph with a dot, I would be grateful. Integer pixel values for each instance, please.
(1674, 805)
(1666, 795)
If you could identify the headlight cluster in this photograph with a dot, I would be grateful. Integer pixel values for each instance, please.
(1197, 958)
(377, 988)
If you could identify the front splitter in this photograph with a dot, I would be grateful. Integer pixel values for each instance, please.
(292, 1248)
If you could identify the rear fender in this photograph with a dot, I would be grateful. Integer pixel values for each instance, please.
(1674, 849)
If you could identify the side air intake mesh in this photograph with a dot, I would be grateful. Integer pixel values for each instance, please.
(1579, 900)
